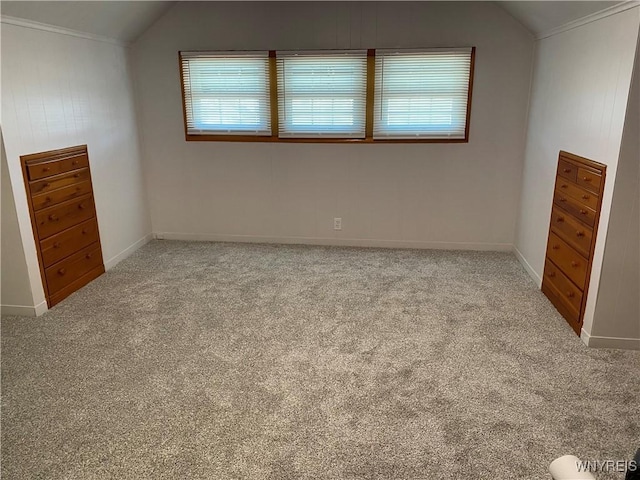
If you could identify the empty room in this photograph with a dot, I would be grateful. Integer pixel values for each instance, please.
(320, 240)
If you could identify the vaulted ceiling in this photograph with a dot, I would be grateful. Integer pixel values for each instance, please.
(126, 20)
(542, 16)
(123, 21)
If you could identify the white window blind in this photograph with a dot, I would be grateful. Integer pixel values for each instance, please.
(322, 94)
(226, 93)
(421, 94)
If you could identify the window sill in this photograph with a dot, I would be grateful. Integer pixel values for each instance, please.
(262, 139)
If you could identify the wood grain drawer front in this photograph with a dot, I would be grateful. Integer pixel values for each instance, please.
(576, 234)
(570, 295)
(71, 268)
(575, 208)
(56, 219)
(59, 246)
(59, 181)
(585, 197)
(589, 179)
(61, 195)
(567, 170)
(570, 261)
(53, 167)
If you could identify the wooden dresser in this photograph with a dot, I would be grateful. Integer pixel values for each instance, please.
(63, 216)
(572, 235)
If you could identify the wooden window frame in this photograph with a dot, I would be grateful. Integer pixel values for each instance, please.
(273, 97)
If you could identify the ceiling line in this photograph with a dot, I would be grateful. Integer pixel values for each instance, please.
(21, 22)
(607, 12)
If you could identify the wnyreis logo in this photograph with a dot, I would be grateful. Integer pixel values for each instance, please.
(607, 466)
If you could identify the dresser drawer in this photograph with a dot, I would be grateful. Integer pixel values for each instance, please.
(567, 259)
(55, 219)
(71, 268)
(60, 195)
(576, 234)
(584, 197)
(59, 181)
(563, 288)
(567, 170)
(59, 246)
(48, 168)
(589, 179)
(575, 208)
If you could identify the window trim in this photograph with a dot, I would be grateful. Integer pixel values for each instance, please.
(369, 113)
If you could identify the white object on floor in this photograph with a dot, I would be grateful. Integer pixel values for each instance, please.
(566, 468)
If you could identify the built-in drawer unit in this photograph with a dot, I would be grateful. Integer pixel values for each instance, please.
(577, 200)
(63, 216)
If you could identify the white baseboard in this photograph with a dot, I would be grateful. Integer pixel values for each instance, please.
(610, 342)
(24, 310)
(532, 273)
(340, 242)
(113, 261)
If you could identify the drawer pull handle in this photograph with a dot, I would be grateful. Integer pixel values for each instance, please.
(56, 245)
(53, 218)
(78, 189)
(567, 170)
(556, 247)
(46, 185)
(88, 256)
(564, 185)
(62, 271)
(571, 294)
(552, 274)
(47, 199)
(562, 199)
(580, 233)
(560, 219)
(81, 206)
(587, 179)
(75, 162)
(45, 169)
(574, 264)
(583, 212)
(84, 231)
(77, 175)
(586, 197)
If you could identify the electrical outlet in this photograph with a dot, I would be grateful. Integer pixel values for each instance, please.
(337, 223)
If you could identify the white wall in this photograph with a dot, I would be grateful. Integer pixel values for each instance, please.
(450, 195)
(578, 101)
(15, 289)
(617, 313)
(59, 91)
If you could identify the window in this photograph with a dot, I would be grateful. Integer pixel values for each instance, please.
(322, 94)
(359, 96)
(422, 94)
(226, 93)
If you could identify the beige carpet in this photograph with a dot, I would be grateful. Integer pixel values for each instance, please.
(228, 361)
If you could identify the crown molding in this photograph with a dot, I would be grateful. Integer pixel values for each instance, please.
(21, 22)
(607, 12)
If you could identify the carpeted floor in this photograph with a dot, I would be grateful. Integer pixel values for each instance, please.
(235, 361)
